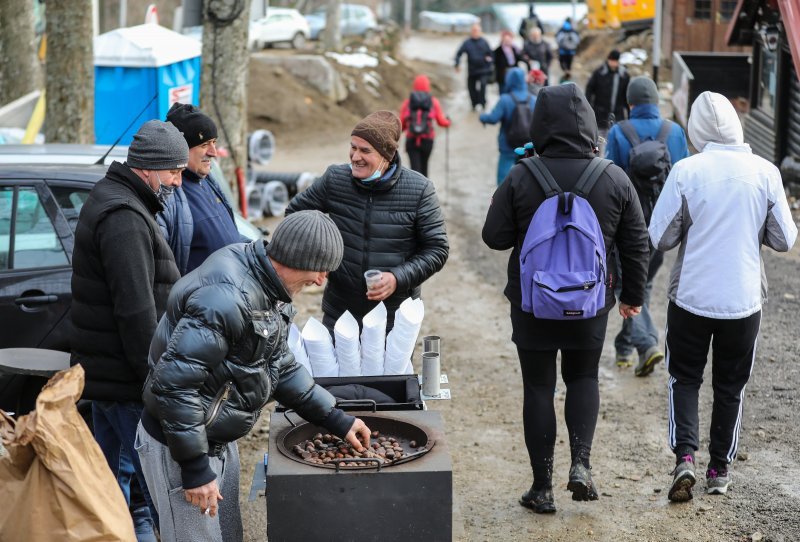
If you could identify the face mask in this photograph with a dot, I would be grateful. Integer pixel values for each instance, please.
(375, 174)
(164, 191)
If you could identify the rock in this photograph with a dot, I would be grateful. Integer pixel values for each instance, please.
(590, 532)
(789, 296)
(634, 477)
(604, 494)
(705, 507)
(742, 456)
(616, 485)
(756, 536)
(656, 490)
(761, 434)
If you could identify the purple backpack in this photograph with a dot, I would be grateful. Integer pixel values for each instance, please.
(563, 256)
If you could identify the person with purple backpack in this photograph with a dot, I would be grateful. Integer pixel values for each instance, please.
(577, 207)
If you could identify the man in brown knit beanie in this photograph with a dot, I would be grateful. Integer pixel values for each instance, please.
(389, 217)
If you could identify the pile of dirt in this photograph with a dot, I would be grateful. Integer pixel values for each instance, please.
(299, 114)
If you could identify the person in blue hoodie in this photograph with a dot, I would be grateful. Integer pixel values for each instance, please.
(568, 40)
(516, 91)
(639, 334)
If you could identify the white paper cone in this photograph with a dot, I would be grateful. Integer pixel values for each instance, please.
(298, 348)
(319, 348)
(348, 354)
(403, 338)
(373, 341)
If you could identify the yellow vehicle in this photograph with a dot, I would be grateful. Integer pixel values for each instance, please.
(620, 13)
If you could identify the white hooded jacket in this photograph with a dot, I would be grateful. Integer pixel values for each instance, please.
(721, 205)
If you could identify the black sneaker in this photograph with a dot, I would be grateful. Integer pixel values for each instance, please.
(539, 500)
(717, 480)
(683, 480)
(581, 484)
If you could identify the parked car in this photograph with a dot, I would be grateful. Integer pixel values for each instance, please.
(354, 20)
(281, 25)
(39, 209)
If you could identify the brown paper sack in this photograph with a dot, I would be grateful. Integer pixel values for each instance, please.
(55, 482)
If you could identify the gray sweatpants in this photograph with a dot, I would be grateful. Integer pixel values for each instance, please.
(179, 521)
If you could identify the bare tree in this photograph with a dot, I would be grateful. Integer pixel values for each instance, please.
(70, 72)
(223, 93)
(19, 68)
(332, 35)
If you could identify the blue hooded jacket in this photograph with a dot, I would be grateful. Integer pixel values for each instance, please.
(504, 108)
(647, 120)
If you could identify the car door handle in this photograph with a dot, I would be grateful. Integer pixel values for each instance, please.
(36, 300)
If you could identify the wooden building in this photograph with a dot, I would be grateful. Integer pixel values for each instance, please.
(771, 30)
(697, 25)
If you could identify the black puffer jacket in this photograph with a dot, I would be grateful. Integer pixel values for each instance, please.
(394, 226)
(564, 133)
(219, 354)
(122, 272)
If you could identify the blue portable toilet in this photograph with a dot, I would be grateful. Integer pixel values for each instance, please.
(134, 64)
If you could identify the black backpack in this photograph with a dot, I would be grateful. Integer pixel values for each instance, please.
(419, 106)
(649, 163)
(519, 129)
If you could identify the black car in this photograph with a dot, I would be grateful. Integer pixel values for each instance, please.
(39, 209)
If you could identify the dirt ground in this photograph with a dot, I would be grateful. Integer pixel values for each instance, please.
(631, 461)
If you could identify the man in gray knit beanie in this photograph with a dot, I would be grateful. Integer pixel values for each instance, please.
(309, 241)
(224, 335)
(158, 155)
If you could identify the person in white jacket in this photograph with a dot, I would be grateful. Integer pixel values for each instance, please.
(720, 205)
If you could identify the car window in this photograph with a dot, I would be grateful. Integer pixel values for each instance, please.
(35, 243)
(70, 199)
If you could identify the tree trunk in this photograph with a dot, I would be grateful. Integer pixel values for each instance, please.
(70, 72)
(332, 35)
(223, 92)
(19, 67)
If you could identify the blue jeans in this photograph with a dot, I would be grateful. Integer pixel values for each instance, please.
(504, 164)
(115, 430)
(638, 333)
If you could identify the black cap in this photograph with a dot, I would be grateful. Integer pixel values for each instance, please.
(197, 127)
(613, 55)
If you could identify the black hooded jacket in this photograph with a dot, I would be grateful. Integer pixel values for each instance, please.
(564, 133)
(395, 225)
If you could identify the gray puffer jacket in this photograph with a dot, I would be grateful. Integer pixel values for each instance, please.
(219, 355)
(394, 225)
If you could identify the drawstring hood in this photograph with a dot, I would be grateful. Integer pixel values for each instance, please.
(563, 123)
(714, 120)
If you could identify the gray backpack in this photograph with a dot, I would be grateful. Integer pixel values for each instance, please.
(649, 163)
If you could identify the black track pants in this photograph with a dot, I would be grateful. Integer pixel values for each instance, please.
(579, 372)
(476, 84)
(418, 154)
(733, 344)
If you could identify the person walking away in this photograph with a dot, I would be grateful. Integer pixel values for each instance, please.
(506, 56)
(479, 65)
(514, 112)
(535, 49)
(530, 22)
(568, 40)
(720, 205)
(565, 136)
(198, 219)
(122, 273)
(417, 114)
(646, 147)
(607, 94)
(218, 356)
(392, 218)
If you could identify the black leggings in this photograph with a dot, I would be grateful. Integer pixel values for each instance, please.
(418, 154)
(579, 372)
